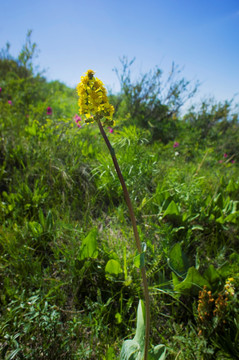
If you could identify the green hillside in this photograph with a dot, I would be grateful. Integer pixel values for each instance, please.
(69, 272)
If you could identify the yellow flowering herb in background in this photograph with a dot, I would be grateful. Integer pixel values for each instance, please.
(93, 101)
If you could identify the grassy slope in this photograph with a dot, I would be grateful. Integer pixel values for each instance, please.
(58, 185)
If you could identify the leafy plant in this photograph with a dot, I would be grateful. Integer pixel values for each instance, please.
(134, 349)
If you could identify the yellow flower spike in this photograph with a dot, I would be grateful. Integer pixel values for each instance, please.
(93, 101)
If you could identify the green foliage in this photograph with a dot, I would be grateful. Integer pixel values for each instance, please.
(69, 273)
(134, 349)
(150, 102)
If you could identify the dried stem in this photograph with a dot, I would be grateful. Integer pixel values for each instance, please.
(136, 235)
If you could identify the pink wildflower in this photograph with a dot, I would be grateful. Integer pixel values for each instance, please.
(10, 102)
(111, 130)
(225, 155)
(77, 118)
(176, 144)
(233, 161)
(49, 110)
(220, 161)
(0, 89)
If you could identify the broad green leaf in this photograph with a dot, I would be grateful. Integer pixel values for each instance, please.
(140, 329)
(172, 209)
(211, 274)
(192, 283)
(175, 279)
(158, 353)
(139, 260)
(134, 349)
(232, 217)
(113, 267)
(131, 351)
(89, 246)
(177, 260)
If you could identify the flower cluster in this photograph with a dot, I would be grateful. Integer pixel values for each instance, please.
(229, 287)
(221, 304)
(77, 119)
(93, 101)
(205, 305)
(49, 110)
(213, 312)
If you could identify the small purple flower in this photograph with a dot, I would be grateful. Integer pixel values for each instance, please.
(111, 130)
(225, 155)
(79, 126)
(0, 89)
(220, 161)
(233, 161)
(176, 144)
(10, 102)
(49, 110)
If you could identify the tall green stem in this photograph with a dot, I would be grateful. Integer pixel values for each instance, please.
(136, 235)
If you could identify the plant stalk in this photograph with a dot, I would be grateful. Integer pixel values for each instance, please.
(136, 235)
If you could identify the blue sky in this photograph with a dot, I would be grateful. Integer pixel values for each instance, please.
(200, 36)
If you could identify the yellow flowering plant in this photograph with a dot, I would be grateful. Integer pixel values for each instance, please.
(93, 101)
(94, 106)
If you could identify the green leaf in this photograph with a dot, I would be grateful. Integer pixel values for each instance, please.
(175, 279)
(41, 218)
(110, 355)
(113, 267)
(172, 209)
(35, 227)
(13, 354)
(134, 349)
(139, 260)
(49, 220)
(158, 353)
(131, 351)
(140, 329)
(193, 282)
(89, 246)
(232, 217)
(177, 260)
(211, 274)
(118, 318)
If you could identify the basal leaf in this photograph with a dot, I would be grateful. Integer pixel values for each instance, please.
(113, 267)
(211, 274)
(177, 260)
(193, 282)
(172, 209)
(89, 246)
(157, 353)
